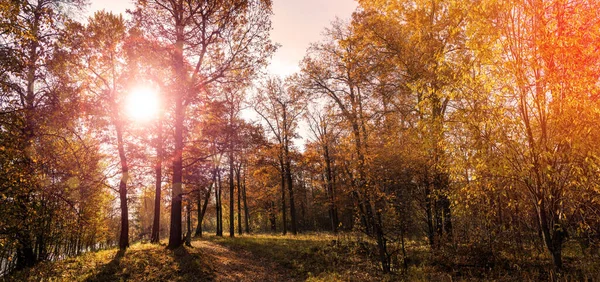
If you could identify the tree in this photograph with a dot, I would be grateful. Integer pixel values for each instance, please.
(209, 42)
(280, 108)
(31, 100)
(232, 100)
(431, 62)
(550, 73)
(320, 125)
(341, 69)
(53, 193)
(104, 58)
(155, 237)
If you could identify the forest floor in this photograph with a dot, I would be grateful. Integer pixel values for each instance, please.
(310, 257)
(244, 258)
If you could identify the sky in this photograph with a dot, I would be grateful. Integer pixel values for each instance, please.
(296, 24)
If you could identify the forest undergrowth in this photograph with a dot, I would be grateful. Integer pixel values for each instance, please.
(307, 257)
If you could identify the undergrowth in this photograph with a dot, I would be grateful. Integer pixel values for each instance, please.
(314, 257)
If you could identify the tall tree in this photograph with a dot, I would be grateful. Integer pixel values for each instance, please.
(320, 125)
(233, 98)
(155, 238)
(104, 59)
(280, 107)
(430, 63)
(53, 189)
(31, 98)
(342, 69)
(209, 42)
(549, 74)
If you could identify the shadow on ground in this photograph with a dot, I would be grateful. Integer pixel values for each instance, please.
(156, 264)
(206, 260)
(108, 271)
(235, 264)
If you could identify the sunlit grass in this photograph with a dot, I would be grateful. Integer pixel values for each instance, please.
(141, 262)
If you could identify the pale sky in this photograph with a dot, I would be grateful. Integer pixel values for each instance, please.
(296, 24)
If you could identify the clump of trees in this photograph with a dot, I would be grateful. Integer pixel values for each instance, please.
(455, 124)
(464, 118)
(68, 145)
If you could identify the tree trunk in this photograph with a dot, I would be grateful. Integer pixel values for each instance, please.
(429, 214)
(239, 199)
(446, 213)
(25, 250)
(246, 215)
(361, 211)
(437, 214)
(288, 176)
(381, 243)
(370, 215)
(283, 207)
(219, 206)
(328, 173)
(202, 210)
(25, 253)
(553, 236)
(443, 215)
(158, 184)
(288, 173)
(177, 186)
(188, 235)
(360, 187)
(198, 232)
(124, 236)
(231, 196)
(272, 217)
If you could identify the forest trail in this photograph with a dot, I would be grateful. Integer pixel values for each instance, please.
(230, 264)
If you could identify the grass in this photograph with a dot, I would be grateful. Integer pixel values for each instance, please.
(311, 257)
(479, 262)
(141, 262)
(307, 257)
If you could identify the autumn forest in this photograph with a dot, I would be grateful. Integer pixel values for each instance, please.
(420, 140)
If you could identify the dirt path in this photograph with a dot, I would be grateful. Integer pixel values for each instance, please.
(240, 265)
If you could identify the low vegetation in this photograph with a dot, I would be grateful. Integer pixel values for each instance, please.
(309, 257)
(140, 262)
(315, 257)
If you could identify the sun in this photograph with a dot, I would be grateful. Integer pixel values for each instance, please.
(142, 104)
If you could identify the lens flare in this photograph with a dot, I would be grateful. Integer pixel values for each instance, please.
(142, 104)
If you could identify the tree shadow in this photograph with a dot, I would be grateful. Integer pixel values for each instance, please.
(193, 266)
(109, 271)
